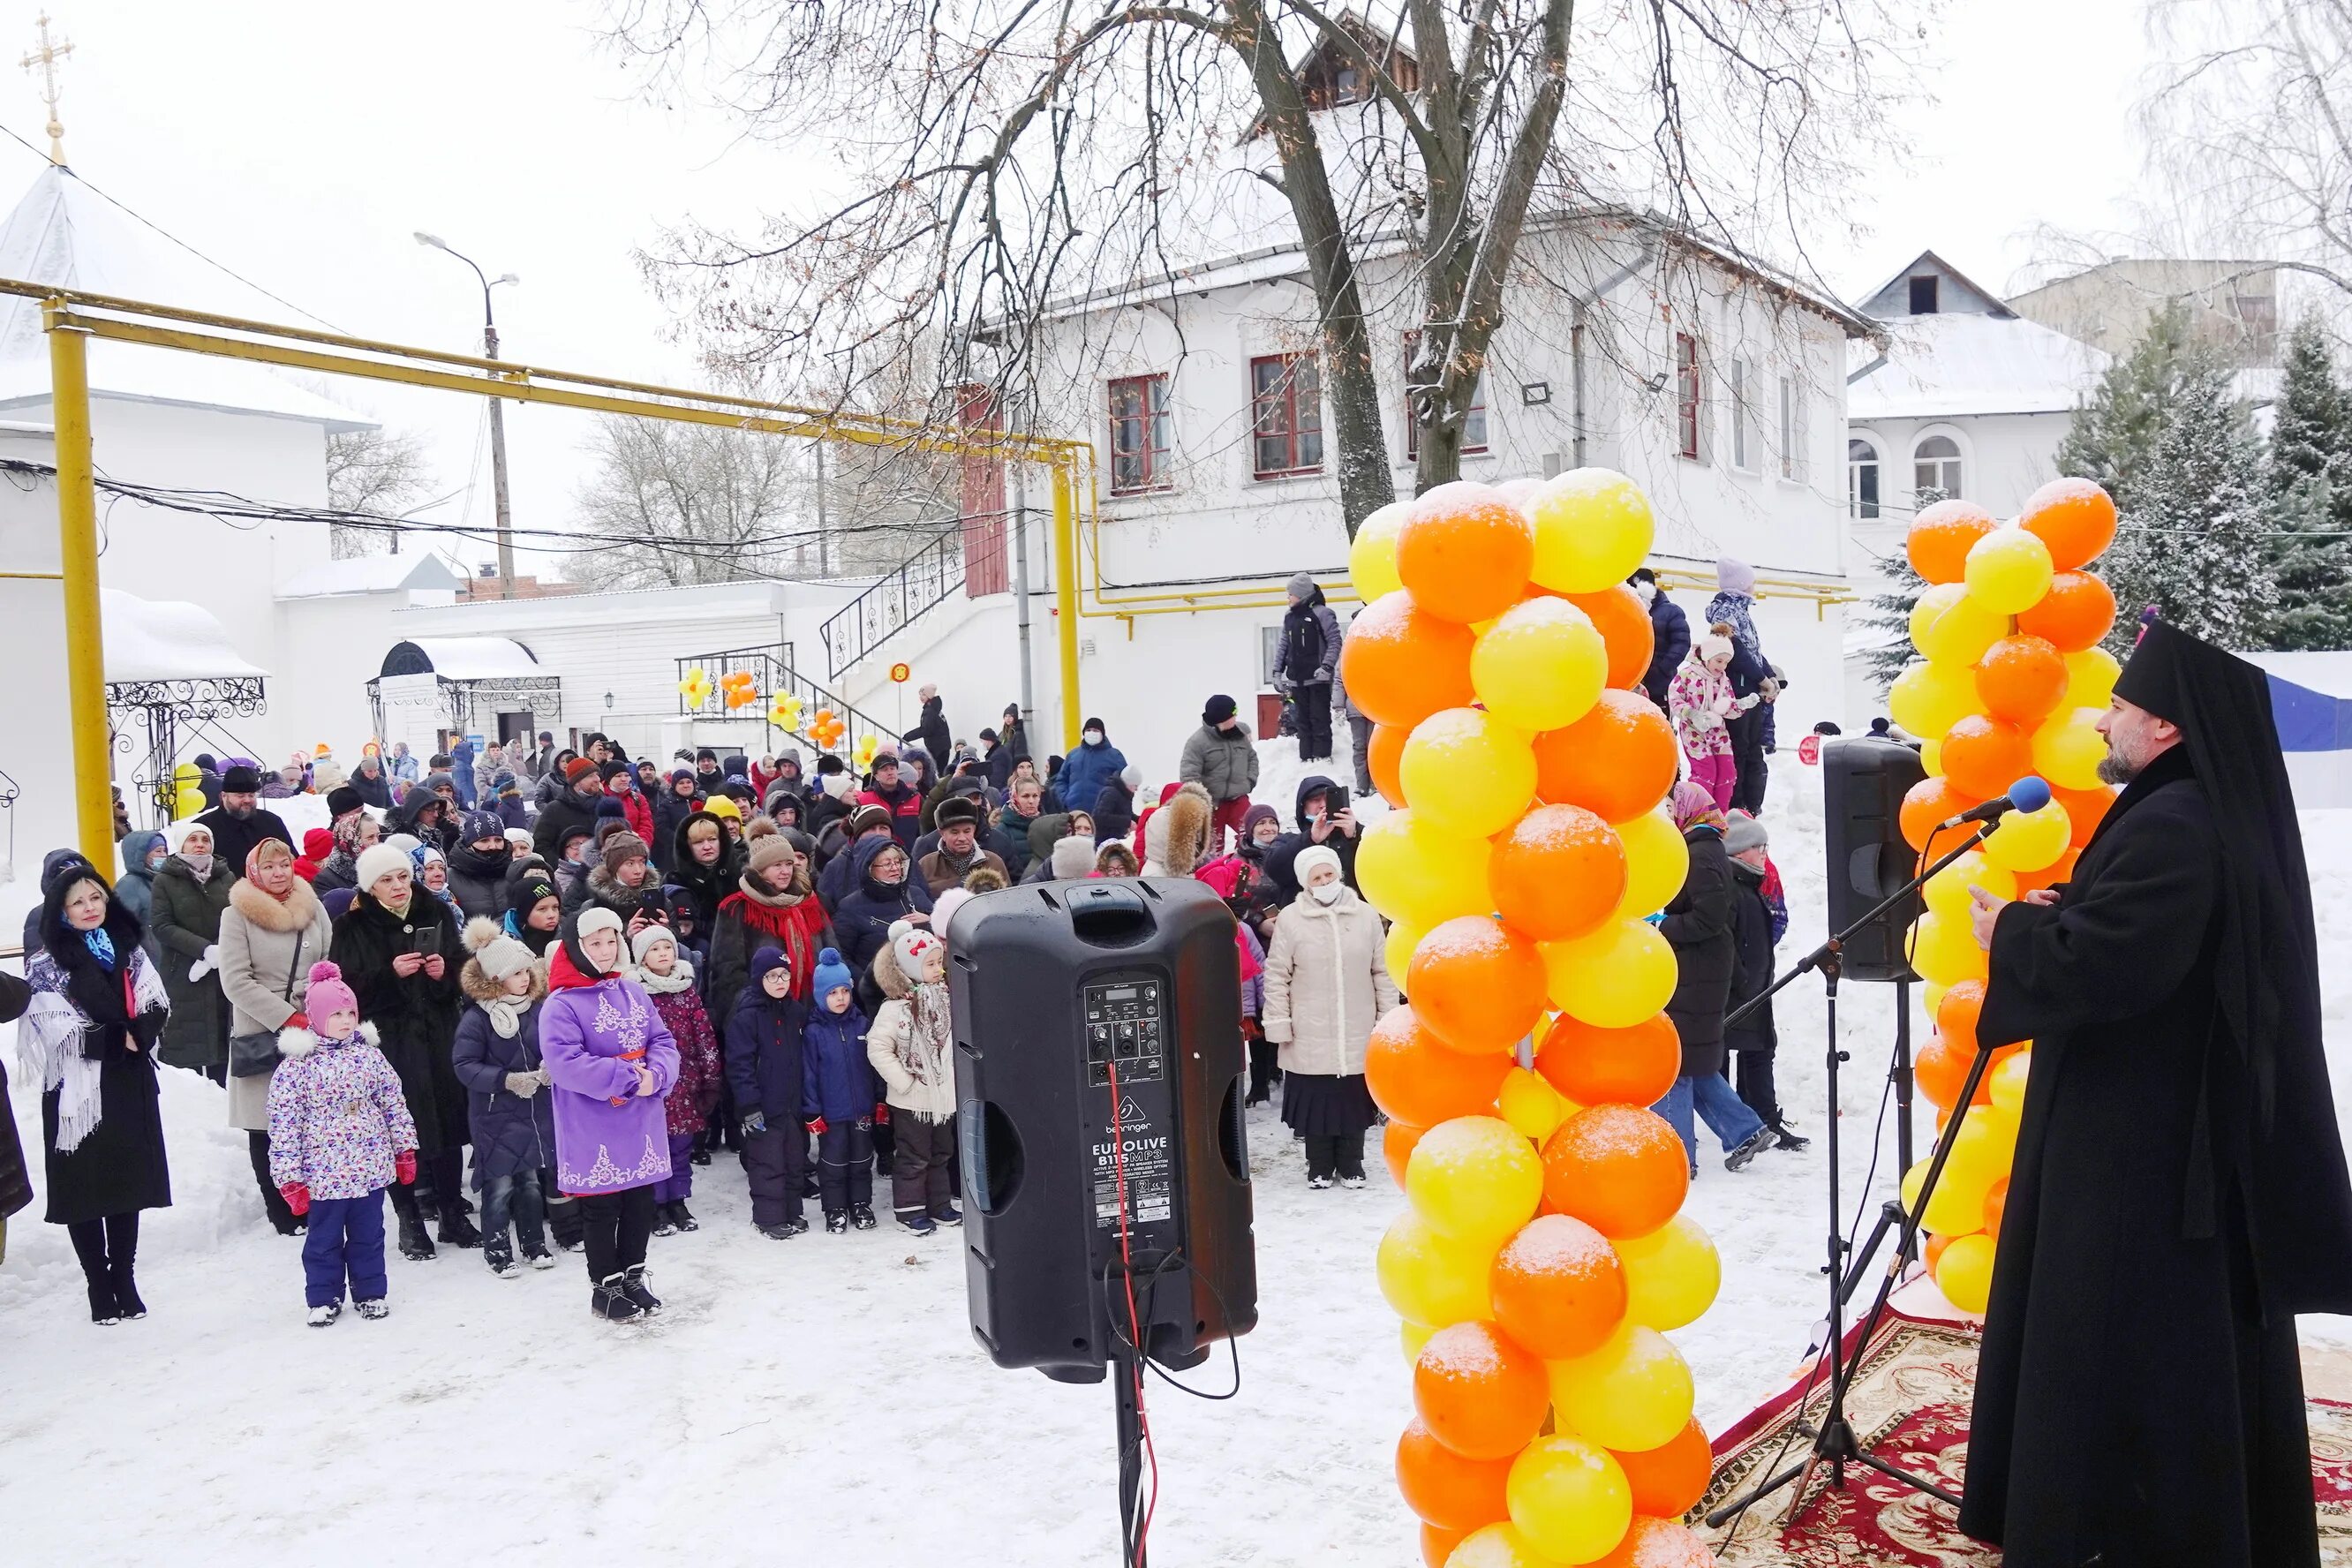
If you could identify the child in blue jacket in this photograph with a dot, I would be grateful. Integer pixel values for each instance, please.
(763, 1067)
(839, 1095)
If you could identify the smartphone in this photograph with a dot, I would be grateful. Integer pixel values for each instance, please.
(425, 940)
(1335, 800)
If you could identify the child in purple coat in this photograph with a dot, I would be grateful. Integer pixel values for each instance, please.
(339, 1133)
(612, 1058)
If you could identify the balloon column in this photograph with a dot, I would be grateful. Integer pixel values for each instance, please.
(1541, 1260)
(2011, 681)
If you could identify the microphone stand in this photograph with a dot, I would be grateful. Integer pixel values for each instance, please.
(1834, 1441)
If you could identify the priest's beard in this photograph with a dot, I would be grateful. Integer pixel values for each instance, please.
(2123, 762)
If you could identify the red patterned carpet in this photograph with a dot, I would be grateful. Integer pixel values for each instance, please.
(1910, 1407)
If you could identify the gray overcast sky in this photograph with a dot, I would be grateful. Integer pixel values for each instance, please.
(300, 145)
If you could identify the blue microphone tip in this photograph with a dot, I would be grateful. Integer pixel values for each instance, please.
(2029, 793)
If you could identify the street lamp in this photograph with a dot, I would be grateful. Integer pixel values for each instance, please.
(497, 412)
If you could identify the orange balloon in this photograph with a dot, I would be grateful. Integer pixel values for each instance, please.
(1400, 663)
(1996, 1205)
(1930, 802)
(1415, 1078)
(1463, 552)
(1479, 1393)
(1941, 1068)
(1558, 1287)
(1651, 1543)
(1558, 872)
(1935, 1252)
(1668, 1479)
(1618, 1168)
(1382, 753)
(1477, 985)
(2086, 809)
(1617, 762)
(1593, 1066)
(1397, 1139)
(2074, 615)
(2059, 871)
(1941, 536)
(1956, 1015)
(1623, 623)
(1444, 1489)
(2021, 680)
(1982, 757)
(1437, 1544)
(2075, 518)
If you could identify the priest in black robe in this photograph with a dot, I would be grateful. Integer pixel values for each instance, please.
(2179, 1192)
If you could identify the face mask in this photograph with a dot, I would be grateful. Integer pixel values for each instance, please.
(1649, 592)
(1329, 893)
(1094, 737)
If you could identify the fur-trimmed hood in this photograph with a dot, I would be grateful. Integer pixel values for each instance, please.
(294, 912)
(479, 987)
(1178, 834)
(299, 1042)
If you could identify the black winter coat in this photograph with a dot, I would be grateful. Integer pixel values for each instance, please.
(763, 1055)
(1114, 811)
(670, 812)
(863, 919)
(510, 1135)
(932, 732)
(1670, 641)
(601, 889)
(478, 882)
(234, 837)
(185, 918)
(120, 1166)
(375, 791)
(415, 1017)
(1751, 975)
(704, 885)
(568, 810)
(1310, 641)
(1282, 854)
(15, 1183)
(2137, 1396)
(1699, 924)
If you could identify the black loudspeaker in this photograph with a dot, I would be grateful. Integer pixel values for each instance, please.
(1098, 1048)
(1864, 781)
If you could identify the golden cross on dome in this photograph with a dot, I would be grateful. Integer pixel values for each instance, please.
(47, 57)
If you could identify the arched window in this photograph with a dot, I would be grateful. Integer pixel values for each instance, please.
(1860, 479)
(1936, 466)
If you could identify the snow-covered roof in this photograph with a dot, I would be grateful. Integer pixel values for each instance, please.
(169, 639)
(65, 234)
(472, 658)
(1945, 366)
(371, 574)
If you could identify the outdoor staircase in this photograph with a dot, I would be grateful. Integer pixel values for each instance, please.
(942, 569)
(772, 675)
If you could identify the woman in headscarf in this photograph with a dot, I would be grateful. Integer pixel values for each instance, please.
(1699, 924)
(1326, 984)
(275, 928)
(98, 1008)
(191, 889)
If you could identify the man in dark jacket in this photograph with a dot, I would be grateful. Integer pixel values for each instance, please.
(839, 875)
(574, 807)
(1311, 652)
(1221, 758)
(208, 778)
(1756, 928)
(1085, 770)
(374, 789)
(1317, 823)
(708, 776)
(238, 822)
(1670, 636)
(902, 800)
(1699, 924)
(932, 730)
(1012, 745)
(960, 852)
(478, 864)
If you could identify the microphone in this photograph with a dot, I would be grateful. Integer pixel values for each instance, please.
(2027, 794)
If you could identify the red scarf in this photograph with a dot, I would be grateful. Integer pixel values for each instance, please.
(794, 929)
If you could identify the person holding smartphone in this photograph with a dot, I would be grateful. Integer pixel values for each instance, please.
(1326, 818)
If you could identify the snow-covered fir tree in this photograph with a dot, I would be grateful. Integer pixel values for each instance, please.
(2114, 435)
(2193, 542)
(2310, 475)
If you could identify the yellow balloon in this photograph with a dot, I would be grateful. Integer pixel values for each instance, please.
(1570, 1498)
(1672, 1275)
(1403, 936)
(1498, 1545)
(1371, 555)
(1931, 996)
(1632, 1393)
(1476, 1178)
(1411, 1338)
(1964, 1274)
(1956, 1205)
(1928, 697)
(1470, 773)
(2068, 748)
(2029, 840)
(1947, 892)
(1656, 861)
(2008, 1076)
(2008, 571)
(1530, 1104)
(1980, 1154)
(1931, 757)
(1433, 1278)
(1944, 950)
(1540, 665)
(1414, 872)
(1593, 528)
(1619, 976)
(1948, 625)
(2091, 678)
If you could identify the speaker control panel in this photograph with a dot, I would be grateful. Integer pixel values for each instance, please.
(1125, 1030)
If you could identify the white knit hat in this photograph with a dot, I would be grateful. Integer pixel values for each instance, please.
(1313, 855)
(909, 943)
(647, 939)
(594, 918)
(176, 837)
(1072, 857)
(377, 859)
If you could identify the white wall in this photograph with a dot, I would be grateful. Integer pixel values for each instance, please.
(2004, 459)
(35, 742)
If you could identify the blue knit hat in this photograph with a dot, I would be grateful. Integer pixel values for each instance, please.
(832, 974)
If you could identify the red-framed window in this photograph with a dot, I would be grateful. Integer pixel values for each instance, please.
(1286, 416)
(1474, 423)
(1140, 435)
(1686, 394)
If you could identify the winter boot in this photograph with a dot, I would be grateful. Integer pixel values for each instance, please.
(836, 1222)
(684, 1220)
(634, 1287)
(861, 1216)
(374, 1307)
(457, 1230)
(664, 1223)
(102, 1309)
(1755, 1144)
(539, 1257)
(948, 1213)
(414, 1244)
(1790, 1139)
(126, 1294)
(324, 1317)
(918, 1224)
(497, 1251)
(608, 1299)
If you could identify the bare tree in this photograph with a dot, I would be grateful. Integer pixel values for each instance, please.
(1008, 157)
(381, 471)
(694, 504)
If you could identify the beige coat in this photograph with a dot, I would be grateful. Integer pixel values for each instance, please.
(1327, 984)
(256, 944)
(926, 1090)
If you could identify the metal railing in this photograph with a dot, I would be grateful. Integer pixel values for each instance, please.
(772, 675)
(929, 577)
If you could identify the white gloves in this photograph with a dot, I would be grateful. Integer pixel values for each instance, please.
(523, 1085)
(204, 964)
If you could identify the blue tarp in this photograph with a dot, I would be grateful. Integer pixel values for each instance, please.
(2311, 699)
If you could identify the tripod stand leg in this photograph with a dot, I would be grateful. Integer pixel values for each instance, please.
(1907, 1478)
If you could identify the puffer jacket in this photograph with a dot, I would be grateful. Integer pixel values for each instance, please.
(1326, 984)
(336, 1115)
(510, 1133)
(862, 922)
(1224, 762)
(764, 1054)
(186, 921)
(837, 1079)
(479, 881)
(1700, 921)
(916, 1079)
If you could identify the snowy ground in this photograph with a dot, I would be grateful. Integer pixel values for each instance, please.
(825, 1387)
